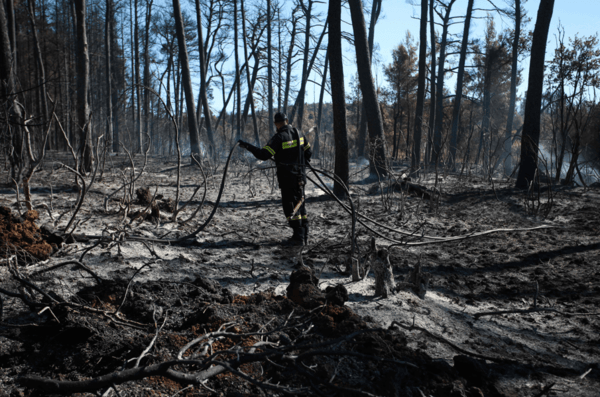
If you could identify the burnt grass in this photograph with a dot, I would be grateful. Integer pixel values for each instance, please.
(529, 354)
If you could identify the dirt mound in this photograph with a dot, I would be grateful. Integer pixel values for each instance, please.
(19, 234)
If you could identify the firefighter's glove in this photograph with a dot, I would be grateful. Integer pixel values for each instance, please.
(243, 145)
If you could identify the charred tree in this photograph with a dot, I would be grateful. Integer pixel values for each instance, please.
(513, 92)
(203, 96)
(338, 96)
(416, 154)
(317, 143)
(269, 69)
(110, 138)
(289, 62)
(377, 156)
(251, 81)
(531, 125)
(238, 99)
(83, 83)
(459, 84)
(187, 79)
(146, 96)
(39, 63)
(439, 107)
(431, 83)
(362, 131)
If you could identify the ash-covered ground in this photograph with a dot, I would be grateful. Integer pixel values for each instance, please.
(151, 299)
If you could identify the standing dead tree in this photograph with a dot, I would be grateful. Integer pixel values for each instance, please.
(373, 112)
(533, 103)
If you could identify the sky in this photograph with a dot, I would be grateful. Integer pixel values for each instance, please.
(399, 16)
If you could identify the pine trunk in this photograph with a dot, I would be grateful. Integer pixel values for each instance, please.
(187, 80)
(338, 96)
(377, 156)
(531, 125)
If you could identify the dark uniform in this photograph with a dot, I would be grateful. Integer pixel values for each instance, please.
(291, 175)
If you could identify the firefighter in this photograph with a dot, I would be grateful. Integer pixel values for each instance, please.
(290, 152)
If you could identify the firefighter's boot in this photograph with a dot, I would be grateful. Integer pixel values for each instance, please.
(305, 227)
(298, 236)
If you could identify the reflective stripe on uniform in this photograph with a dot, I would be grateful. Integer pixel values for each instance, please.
(270, 150)
(291, 144)
(306, 146)
(296, 218)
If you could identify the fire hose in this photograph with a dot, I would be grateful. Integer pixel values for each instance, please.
(351, 210)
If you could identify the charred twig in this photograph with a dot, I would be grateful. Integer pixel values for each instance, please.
(451, 344)
(196, 191)
(129, 285)
(329, 352)
(532, 310)
(84, 253)
(147, 349)
(545, 390)
(152, 250)
(70, 262)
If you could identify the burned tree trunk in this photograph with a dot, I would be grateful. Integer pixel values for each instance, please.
(338, 97)
(187, 79)
(459, 84)
(533, 104)
(377, 156)
(269, 69)
(416, 154)
(110, 138)
(40, 64)
(17, 157)
(513, 92)
(317, 143)
(203, 96)
(439, 107)
(362, 132)
(382, 268)
(432, 84)
(83, 83)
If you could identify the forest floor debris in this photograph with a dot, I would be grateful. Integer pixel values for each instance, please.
(236, 270)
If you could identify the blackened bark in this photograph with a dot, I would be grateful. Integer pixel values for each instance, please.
(513, 92)
(439, 107)
(459, 84)
(338, 96)
(40, 64)
(12, 31)
(362, 131)
(377, 156)
(432, 84)
(146, 96)
(203, 96)
(531, 125)
(299, 105)
(416, 152)
(288, 68)
(238, 108)
(269, 69)
(187, 79)
(138, 81)
(6, 55)
(317, 144)
(83, 82)
(251, 82)
(108, 59)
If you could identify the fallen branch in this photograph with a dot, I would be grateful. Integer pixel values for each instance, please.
(71, 262)
(451, 344)
(532, 310)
